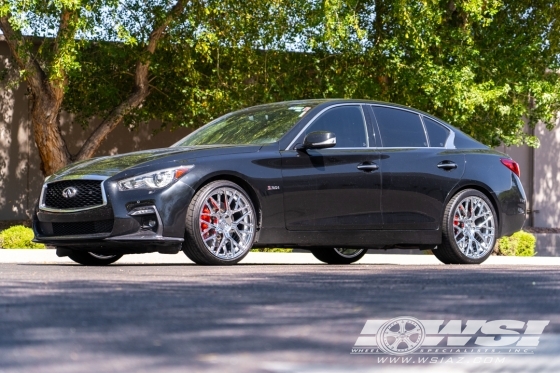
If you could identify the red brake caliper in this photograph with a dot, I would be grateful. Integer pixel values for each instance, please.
(456, 220)
(206, 218)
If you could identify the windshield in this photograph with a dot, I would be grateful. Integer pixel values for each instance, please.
(258, 125)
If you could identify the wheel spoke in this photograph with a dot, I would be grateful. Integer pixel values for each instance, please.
(396, 343)
(242, 217)
(390, 333)
(416, 330)
(407, 341)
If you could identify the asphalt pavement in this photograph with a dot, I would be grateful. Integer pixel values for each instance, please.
(141, 315)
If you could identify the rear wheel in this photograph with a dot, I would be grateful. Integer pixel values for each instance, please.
(469, 229)
(220, 223)
(93, 259)
(338, 255)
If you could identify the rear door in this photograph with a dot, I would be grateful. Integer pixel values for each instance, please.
(330, 189)
(419, 168)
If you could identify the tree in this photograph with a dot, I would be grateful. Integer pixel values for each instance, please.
(45, 68)
(485, 66)
(105, 59)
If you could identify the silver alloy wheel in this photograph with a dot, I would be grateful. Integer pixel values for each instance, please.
(102, 257)
(348, 253)
(227, 223)
(474, 227)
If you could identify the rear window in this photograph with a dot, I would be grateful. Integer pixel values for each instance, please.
(399, 128)
(436, 133)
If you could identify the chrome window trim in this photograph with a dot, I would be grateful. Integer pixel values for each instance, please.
(450, 142)
(312, 120)
(425, 131)
(42, 206)
(409, 147)
(360, 148)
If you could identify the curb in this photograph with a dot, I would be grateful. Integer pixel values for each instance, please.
(38, 256)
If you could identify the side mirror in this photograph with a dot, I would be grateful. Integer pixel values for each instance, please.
(318, 140)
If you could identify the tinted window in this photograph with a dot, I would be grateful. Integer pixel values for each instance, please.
(346, 122)
(400, 128)
(436, 133)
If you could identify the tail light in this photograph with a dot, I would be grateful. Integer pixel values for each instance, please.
(512, 165)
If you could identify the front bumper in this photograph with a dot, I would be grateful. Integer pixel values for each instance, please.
(135, 221)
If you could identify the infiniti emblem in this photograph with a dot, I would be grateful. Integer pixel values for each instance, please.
(69, 192)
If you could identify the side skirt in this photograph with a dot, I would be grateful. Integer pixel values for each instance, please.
(348, 238)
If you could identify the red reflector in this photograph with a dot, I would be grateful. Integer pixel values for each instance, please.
(512, 165)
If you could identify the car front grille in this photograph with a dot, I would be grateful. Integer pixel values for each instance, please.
(82, 228)
(88, 194)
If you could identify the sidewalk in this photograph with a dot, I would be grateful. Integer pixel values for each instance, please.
(49, 257)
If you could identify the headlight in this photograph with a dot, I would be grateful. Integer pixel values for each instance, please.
(154, 180)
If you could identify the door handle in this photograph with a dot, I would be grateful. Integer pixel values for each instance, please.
(367, 167)
(447, 165)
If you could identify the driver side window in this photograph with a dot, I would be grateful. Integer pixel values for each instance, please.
(346, 122)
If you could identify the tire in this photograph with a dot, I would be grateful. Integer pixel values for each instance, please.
(338, 255)
(93, 259)
(469, 229)
(220, 224)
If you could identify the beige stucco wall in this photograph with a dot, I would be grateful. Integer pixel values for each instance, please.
(540, 176)
(15, 147)
(546, 182)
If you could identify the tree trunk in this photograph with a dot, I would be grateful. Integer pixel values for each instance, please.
(44, 117)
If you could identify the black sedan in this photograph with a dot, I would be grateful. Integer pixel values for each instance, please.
(336, 177)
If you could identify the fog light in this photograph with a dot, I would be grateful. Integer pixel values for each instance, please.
(148, 222)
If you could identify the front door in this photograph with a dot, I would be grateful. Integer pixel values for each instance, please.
(330, 189)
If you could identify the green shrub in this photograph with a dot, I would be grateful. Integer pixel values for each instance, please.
(518, 244)
(18, 237)
(272, 250)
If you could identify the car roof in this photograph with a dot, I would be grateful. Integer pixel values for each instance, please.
(331, 101)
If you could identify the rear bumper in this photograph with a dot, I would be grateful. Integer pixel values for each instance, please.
(513, 208)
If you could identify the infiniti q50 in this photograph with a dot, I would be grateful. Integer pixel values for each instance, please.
(335, 177)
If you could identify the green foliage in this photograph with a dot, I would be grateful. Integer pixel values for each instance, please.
(518, 244)
(487, 67)
(272, 250)
(18, 237)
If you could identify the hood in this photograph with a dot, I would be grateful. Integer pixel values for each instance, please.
(112, 165)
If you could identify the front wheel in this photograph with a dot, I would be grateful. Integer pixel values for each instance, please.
(338, 255)
(469, 229)
(220, 223)
(93, 259)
